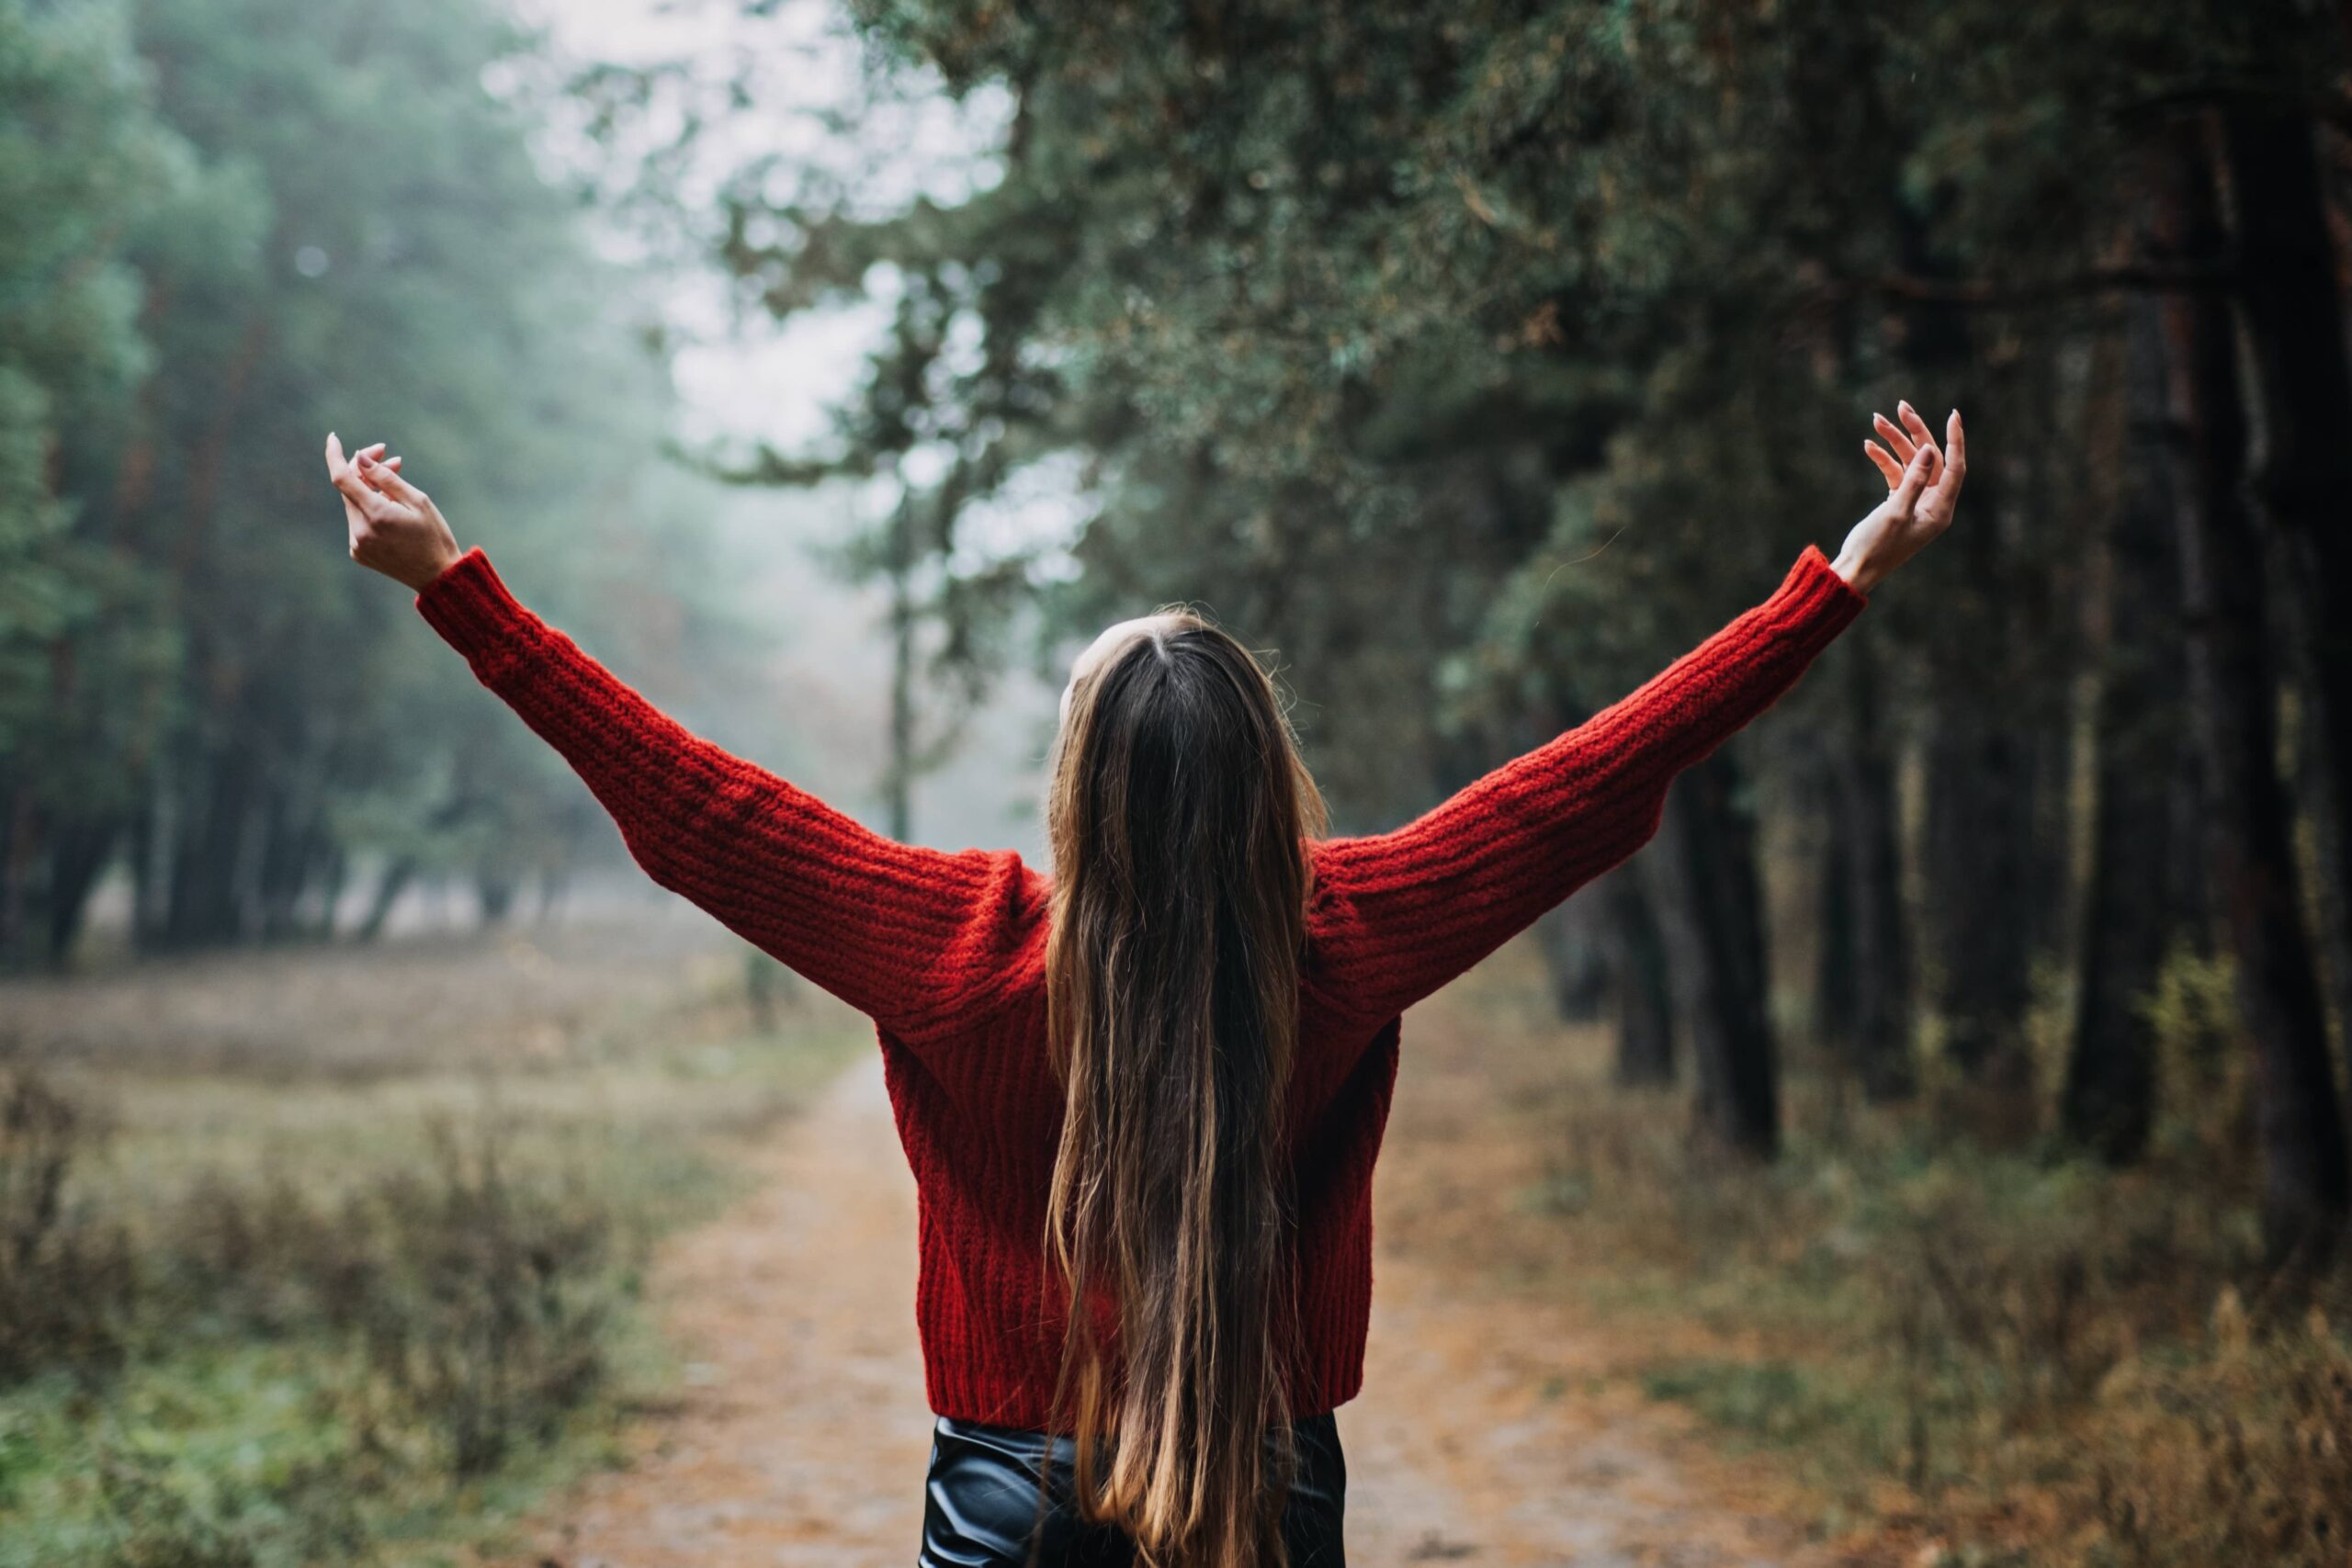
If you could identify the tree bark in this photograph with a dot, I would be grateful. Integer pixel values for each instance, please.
(495, 891)
(1980, 825)
(1836, 974)
(1979, 838)
(898, 786)
(206, 904)
(2306, 1185)
(2129, 920)
(389, 884)
(1862, 781)
(1634, 948)
(78, 855)
(1574, 941)
(1718, 903)
(2290, 311)
(2293, 319)
(21, 846)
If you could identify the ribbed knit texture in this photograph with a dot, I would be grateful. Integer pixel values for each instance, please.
(945, 953)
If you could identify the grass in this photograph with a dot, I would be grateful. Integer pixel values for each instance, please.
(367, 1305)
(272, 1313)
(1961, 1352)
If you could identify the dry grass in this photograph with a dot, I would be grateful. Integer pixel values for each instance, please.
(257, 1310)
(1959, 1353)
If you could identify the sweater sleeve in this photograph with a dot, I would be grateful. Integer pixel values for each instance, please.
(907, 935)
(1397, 915)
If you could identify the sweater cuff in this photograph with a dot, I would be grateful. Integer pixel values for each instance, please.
(1814, 591)
(471, 607)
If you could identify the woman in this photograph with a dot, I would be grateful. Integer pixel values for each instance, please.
(1142, 1098)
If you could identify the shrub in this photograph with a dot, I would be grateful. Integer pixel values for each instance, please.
(454, 1313)
(152, 1518)
(489, 1307)
(67, 1281)
(481, 1305)
(2244, 1455)
(2028, 1341)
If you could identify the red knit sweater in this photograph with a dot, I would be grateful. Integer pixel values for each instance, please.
(946, 952)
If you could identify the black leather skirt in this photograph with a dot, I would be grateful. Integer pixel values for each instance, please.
(980, 1502)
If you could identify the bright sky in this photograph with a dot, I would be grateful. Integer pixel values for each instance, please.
(809, 79)
(819, 115)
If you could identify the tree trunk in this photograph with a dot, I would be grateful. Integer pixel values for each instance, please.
(78, 855)
(1634, 951)
(1836, 979)
(393, 881)
(1979, 840)
(290, 848)
(2129, 920)
(334, 876)
(495, 891)
(2292, 317)
(1862, 785)
(20, 845)
(2315, 788)
(206, 902)
(2050, 868)
(1573, 940)
(1979, 836)
(2305, 1182)
(900, 786)
(1719, 913)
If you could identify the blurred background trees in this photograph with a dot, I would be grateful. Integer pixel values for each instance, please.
(1477, 363)
(232, 228)
(1481, 360)
(1976, 1021)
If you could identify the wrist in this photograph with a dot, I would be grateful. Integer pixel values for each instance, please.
(431, 568)
(1857, 571)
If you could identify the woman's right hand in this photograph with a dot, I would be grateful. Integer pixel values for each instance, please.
(395, 527)
(1923, 490)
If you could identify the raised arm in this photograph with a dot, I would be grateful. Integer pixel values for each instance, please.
(907, 935)
(1399, 914)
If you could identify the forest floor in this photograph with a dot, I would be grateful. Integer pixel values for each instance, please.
(778, 1415)
(1498, 1426)
(1589, 1346)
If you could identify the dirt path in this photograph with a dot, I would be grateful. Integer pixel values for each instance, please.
(1487, 1433)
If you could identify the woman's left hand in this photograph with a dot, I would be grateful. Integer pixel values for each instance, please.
(1923, 489)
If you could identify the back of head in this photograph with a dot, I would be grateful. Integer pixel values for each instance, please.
(1178, 813)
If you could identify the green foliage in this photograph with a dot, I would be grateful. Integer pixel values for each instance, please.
(152, 1520)
(2029, 1357)
(67, 1281)
(1480, 358)
(232, 228)
(437, 1320)
(81, 158)
(295, 1308)
(483, 1304)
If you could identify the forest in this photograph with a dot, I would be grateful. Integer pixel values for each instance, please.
(204, 271)
(1962, 1071)
(1478, 359)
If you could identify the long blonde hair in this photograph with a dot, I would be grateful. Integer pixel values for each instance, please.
(1179, 814)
